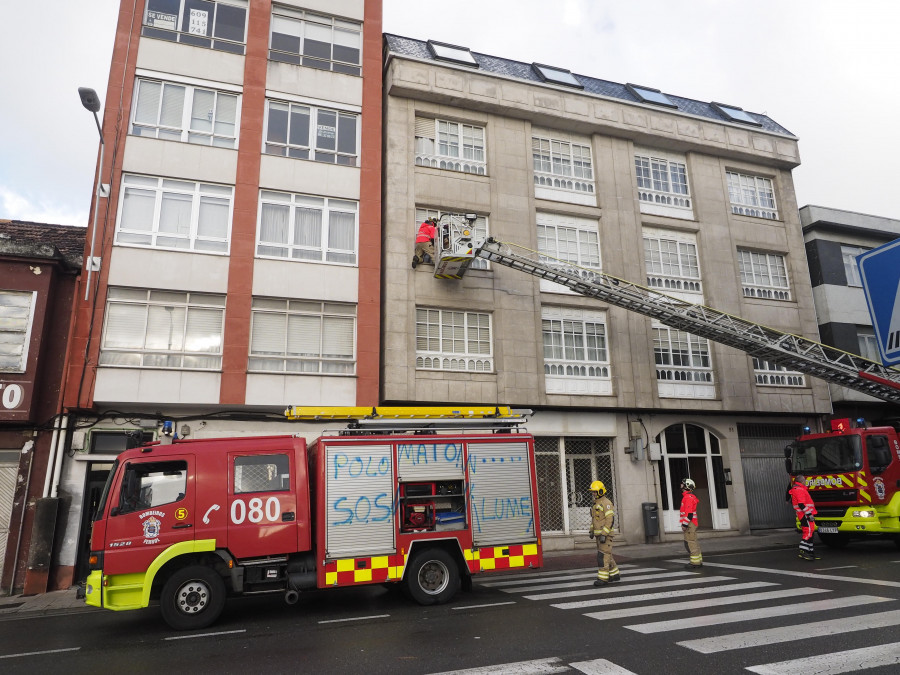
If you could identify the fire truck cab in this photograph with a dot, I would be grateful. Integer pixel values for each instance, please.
(853, 476)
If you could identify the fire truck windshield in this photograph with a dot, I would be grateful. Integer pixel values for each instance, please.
(833, 454)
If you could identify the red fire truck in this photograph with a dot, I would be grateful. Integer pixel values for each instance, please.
(394, 498)
(853, 476)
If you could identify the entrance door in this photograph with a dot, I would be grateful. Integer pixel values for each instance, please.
(97, 474)
(579, 475)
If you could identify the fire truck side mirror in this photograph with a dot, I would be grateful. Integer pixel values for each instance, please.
(788, 464)
(788, 451)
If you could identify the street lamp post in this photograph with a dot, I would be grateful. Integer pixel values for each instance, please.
(91, 101)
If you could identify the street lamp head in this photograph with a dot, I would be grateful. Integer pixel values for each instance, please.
(89, 99)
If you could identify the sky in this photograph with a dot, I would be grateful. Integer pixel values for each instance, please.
(826, 70)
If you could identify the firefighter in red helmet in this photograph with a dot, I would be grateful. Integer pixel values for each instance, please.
(602, 517)
(806, 515)
(688, 518)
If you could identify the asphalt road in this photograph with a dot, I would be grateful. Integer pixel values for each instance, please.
(741, 613)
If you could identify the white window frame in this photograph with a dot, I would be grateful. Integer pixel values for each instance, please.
(310, 150)
(192, 36)
(480, 232)
(469, 351)
(672, 263)
(320, 252)
(562, 164)
(182, 131)
(571, 364)
(16, 318)
(207, 352)
(305, 23)
(751, 195)
(683, 364)
(454, 146)
(154, 237)
(851, 270)
(662, 183)
(330, 316)
(571, 244)
(767, 374)
(764, 275)
(868, 343)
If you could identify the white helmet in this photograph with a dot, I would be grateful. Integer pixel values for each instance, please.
(688, 484)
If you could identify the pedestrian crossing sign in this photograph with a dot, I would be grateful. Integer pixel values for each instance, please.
(879, 270)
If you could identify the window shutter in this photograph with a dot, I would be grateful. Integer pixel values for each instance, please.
(147, 111)
(269, 334)
(303, 335)
(337, 337)
(204, 331)
(425, 127)
(172, 106)
(124, 326)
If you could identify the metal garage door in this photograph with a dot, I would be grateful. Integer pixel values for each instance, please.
(8, 472)
(765, 480)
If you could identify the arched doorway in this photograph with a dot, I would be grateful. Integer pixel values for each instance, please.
(690, 451)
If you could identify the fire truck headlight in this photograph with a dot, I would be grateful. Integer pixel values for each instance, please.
(863, 514)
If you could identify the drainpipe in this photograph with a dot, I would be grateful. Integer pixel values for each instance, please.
(59, 454)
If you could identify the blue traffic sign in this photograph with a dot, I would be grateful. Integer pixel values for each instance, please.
(879, 270)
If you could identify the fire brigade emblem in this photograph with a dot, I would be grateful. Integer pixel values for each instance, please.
(151, 530)
(879, 487)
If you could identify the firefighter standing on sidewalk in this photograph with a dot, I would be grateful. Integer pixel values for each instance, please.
(602, 516)
(806, 512)
(689, 503)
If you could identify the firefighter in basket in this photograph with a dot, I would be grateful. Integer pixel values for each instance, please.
(602, 517)
(688, 518)
(806, 514)
(425, 242)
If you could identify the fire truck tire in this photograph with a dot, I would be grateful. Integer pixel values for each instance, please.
(838, 540)
(432, 577)
(192, 598)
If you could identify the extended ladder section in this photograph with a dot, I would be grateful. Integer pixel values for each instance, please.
(406, 418)
(791, 351)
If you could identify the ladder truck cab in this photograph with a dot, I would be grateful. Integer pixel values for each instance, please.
(853, 475)
(421, 497)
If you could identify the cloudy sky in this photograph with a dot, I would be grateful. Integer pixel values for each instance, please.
(827, 70)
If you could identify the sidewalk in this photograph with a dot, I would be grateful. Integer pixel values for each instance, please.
(64, 602)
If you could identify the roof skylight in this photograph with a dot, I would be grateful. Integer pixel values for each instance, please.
(734, 114)
(556, 75)
(649, 95)
(454, 53)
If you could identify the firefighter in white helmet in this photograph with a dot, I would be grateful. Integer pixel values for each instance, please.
(689, 503)
(602, 516)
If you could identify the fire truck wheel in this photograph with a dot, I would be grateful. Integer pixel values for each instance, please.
(192, 598)
(432, 577)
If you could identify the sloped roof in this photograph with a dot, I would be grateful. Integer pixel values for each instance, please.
(523, 71)
(24, 238)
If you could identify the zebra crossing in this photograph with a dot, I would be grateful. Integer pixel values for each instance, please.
(639, 604)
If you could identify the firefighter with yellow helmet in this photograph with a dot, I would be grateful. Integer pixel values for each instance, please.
(602, 516)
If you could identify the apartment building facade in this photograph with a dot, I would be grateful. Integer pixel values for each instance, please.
(834, 238)
(236, 260)
(692, 198)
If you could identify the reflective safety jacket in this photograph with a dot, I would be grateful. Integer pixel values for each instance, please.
(689, 504)
(801, 500)
(602, 516)
(426, 232)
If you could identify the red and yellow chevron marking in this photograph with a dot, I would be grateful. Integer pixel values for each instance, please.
(841, 480)
(502, 557)
(349, 571)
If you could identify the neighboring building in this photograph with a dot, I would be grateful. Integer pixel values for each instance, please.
(39, 264)
(833, 240)
(238, 254)
(693, 198)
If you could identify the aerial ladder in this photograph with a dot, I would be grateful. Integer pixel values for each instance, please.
(457, 246)
(415, 418)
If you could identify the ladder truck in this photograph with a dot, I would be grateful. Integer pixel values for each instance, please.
(424, 498)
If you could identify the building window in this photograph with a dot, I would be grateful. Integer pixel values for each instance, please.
(302, 336)
(671, 262)
(851, 269)
(562, 165)
(571, 244)
(681, 357)
(662, 181)
(751, 195)
(450, 145)
(163, 329)
(217, 24)
(16, 316)
(174, 214)
(453, 340)
(763, 275)
(576, 358)
(479, 233)
(772, 375)
(300, 227)
(868, 344)
(307, 132)
(315, 41)
(179, 112)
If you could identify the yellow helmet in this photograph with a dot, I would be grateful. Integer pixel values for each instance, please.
(598, 486)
